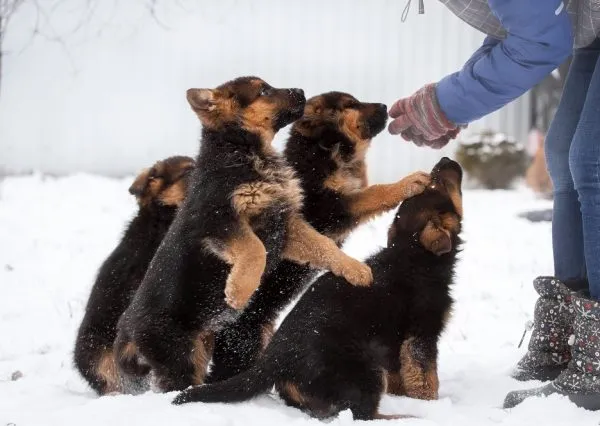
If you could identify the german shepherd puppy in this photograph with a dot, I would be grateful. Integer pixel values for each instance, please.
(241, 216)
(327, 149)
(159, 191)
(333, 351)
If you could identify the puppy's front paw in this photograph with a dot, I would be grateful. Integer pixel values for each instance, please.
(414, 184)
(356, 273)
(238, 293)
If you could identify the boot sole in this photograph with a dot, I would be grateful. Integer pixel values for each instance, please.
(589, 402)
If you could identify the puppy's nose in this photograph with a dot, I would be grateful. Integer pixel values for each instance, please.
(382, 108)
(136, 190)
(444, 161)
(297, 92)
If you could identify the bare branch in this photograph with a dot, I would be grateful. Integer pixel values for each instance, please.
(7, 10)
(45, 10)
(151, 6)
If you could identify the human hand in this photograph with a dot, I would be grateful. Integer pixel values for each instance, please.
(420, 119)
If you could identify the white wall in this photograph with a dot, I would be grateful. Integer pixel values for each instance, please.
(112, 101)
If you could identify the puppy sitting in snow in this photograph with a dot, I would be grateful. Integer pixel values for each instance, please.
(336, 348)
(242, 215)
(159, 192)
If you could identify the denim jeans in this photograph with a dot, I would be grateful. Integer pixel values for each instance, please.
(573, 157)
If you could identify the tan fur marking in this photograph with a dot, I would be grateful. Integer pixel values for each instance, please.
(107, 370)
(450, 222)
(216, 110)
(377, 199)
(292, 392)
(268, 330)
(456, 198)
(201, 354)
(173, 195)
(258, 118)
(251, 199)
(248, 257)
(282, 179)
(435, 239)
(351, 176)
(305, 245)
(149, 185)
(351, 124)
(303, 126)
(279, 185)
(129, 351)
(186, 165)
(347, 180)
(417, 382)
(394, 384)
(313, 109)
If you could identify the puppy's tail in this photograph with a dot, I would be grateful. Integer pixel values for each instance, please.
(253, 382)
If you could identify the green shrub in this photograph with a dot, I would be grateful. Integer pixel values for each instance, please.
(491, 159)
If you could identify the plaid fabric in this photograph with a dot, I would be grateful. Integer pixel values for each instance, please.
(585, 15)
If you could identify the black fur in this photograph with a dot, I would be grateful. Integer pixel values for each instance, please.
(338, 341)
(239, 344)
(183, 291)
(118, 278)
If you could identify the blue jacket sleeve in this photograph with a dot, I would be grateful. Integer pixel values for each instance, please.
(539, 39)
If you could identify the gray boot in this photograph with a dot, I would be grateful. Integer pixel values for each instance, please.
(549, 352)
(580, 382)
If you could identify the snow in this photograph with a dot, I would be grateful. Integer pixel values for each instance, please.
(56, 231)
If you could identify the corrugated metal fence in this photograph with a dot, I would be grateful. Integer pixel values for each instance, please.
(116, 103)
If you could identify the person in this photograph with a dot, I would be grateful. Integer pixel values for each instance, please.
(527, 40)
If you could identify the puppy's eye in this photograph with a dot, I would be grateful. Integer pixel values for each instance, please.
(265, 91)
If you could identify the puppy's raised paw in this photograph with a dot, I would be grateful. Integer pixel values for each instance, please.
(355, 272)
(414, 184)
(237, 294)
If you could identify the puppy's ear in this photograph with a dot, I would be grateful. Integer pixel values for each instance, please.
(436, 239)
(201, 99)
(140, 183)
(310, 127)
(183, 170)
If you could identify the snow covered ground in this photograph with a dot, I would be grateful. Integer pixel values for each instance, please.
(54, 233)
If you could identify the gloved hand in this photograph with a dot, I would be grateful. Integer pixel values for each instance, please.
(419, 118)
(438, 143)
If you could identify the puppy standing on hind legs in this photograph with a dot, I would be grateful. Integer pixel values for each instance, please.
(159, 192)
(333, 350)
(327, 148)
(241, 217)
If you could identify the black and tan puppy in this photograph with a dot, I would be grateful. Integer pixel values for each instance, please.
(327, 149)
(159, 191)
(335, 348)
(241, 216)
